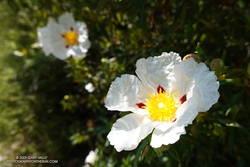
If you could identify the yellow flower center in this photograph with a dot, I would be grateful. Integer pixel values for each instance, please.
(71, 37)
(161, 107)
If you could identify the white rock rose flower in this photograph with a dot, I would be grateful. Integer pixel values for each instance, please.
(64, 38)
(91, 157)
(166, 96)
(89, 87)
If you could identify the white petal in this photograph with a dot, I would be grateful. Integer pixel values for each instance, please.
(153, 71)
(170, 136)
(199, 85)
(82, 31)
(91, 157)
(58, 49)
(82, 38)
(42, 38)
(196, 81)
(128, 131)
(181, 78)
(84, 46)
(67, 21)
(51, 40)
(187, 112)
(124, 93)
(84, 43)
(78, 50)
(205, 90)
(164, 126)
(48, 34)
(81, 26)
(75, 51)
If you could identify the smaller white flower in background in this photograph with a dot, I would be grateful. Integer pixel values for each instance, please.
(65, 38)
(91, 157)
(90, 87)
(112, 59)
(36, 45)
(18, 53)
(166, 96)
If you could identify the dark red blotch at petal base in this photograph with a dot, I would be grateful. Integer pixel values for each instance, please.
(141, 105)
(160, 89)
(183, 99)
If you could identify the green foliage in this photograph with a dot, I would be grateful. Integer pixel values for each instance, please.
(45, 109)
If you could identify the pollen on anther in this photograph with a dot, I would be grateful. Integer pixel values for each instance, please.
(160, 89)
(141, 105)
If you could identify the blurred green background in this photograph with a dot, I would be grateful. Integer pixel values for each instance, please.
(45, 109)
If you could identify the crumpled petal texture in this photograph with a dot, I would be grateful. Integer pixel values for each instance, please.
(123, 93)
(128, 131)
(198, 83)
(171, 136)
(153, 71)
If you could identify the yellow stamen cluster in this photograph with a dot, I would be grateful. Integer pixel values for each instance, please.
(71, 38)
(161, 107)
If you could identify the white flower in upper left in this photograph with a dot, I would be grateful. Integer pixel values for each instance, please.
(64, 38)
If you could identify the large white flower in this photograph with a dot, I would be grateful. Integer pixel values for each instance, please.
(165, 97)
(65, 38)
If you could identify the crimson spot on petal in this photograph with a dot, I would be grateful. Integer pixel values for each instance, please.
(183, 99)
(67, 46)
(141, 105)
(174, 120)
(160, 89)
